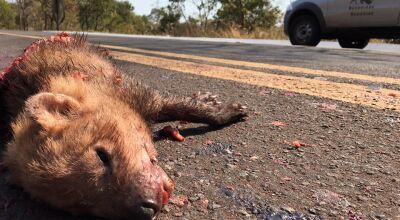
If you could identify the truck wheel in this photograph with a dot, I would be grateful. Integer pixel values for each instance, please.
(345, 42)
(305, 30)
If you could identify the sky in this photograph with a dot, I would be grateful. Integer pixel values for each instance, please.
(143, 7)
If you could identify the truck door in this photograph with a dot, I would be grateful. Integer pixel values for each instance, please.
(363, 13)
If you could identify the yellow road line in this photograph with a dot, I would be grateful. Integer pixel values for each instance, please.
(382, 99)
(239, 63)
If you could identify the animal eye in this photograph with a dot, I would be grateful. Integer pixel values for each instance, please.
(103, 156)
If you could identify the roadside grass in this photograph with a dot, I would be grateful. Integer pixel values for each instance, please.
(276, 33)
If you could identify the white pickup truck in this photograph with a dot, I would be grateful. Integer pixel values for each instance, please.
(352, 22)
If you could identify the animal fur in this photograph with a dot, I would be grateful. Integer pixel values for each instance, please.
(80, 128)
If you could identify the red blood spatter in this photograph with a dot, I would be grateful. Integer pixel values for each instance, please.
(61, 38)
(79, 75)
(297, 144)
(172, 133)
(327, 106)
(278, 123)
(165, 198)
(180, 200)
(289, 94)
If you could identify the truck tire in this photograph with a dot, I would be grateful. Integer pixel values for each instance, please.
(305, 30)
(346, 42)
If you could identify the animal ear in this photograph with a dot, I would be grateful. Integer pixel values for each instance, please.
(52, 111)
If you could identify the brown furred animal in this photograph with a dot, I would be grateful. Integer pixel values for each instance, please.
(80, 135)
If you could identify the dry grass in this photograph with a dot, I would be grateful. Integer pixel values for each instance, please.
(228, 32)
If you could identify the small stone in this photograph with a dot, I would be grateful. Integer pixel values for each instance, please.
(370, 172)
(304, 183)
(251, 177)
(203, 204)
(166, 209)
(243, 174)
(362, 198)
(254, 158)
(380, 216)
(180, 200)
(255, 211)
(200, 195)
(193, 198)
(228, 151)
(312, 211)
(177, 174)
(228, 192)
(178, 214)
(333, 213)
(288, 209)
(244, 212)
(286, 178)
(214, 206)
(231, 166)
(168, 167)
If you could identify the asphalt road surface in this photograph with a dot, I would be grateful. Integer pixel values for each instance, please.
(322, 140)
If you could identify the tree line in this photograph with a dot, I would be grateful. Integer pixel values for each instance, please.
(211, 16)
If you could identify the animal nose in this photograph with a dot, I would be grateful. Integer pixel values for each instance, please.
(150, 209)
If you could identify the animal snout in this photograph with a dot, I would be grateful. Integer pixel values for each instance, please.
(149, 209)
(156, 192)
(167, 186)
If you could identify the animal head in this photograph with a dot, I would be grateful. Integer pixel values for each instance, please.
(88, 153)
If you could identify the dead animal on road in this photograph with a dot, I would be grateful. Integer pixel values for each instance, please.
(81, 139)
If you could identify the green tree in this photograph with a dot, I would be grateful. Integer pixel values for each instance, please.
(71, 11)
(204, 8)
(178, 7)
(248, 14)
(141, 24)
(24, 11)
(166, 19)
(46, 9)
(96, 15)
(47, 14)
(124, 20)
(7, 15)
(30, 14)
(169, 19)
(111, 16)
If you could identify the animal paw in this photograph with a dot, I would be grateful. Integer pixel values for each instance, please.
(206, 98)
(230, 113)
(218, 112)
